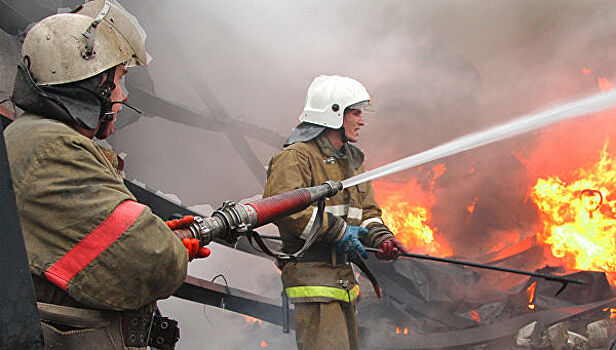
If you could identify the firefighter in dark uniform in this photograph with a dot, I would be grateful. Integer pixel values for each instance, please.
(99, 259)
(322, 284)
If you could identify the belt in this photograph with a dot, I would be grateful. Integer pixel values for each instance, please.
(138, 329)
(141, 330)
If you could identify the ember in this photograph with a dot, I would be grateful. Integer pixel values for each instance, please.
(474, 315)
(253, 320)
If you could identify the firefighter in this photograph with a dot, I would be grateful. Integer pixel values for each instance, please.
(99, 259)
(322, 284)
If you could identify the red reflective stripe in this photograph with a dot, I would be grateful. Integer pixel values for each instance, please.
(82, 254)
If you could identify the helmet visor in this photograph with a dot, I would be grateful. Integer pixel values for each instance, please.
(364, 106)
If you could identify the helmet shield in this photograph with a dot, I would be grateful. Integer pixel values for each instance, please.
(304, 132)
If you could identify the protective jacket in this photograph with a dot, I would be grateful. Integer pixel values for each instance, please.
(89, 243)
(323, 275)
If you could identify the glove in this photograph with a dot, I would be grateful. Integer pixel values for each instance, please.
(389, 249)
(192, 245)
(349, 242)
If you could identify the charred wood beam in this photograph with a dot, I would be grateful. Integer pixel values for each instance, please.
(155, 106)
(480, 334)
(19, 322)
(232, 299)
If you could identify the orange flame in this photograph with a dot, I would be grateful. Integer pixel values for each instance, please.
(530, 292)
(474, 316)
(263, 344)
(605, 85)
(406, 212)
(585, 71)
(404, 331)
(253, 320)
(579, 216)
(471, 208)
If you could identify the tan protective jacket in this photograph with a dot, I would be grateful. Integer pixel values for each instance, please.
(311, 163)
(89, 243)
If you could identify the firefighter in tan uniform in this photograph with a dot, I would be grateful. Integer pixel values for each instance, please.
(322, 284)
(99, 259)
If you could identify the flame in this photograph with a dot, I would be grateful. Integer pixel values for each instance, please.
(579, 215)
(530, 292)
(471, 208)
(263, 344)
(404, 331)
(474, 315)
(253, 320)
(605, 85)
(406, 212)
(612, 312)
(585, 71)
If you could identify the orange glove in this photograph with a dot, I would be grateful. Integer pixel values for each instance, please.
(193, 249)
(181, 228)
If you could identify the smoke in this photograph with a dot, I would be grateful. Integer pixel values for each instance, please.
(436, 70)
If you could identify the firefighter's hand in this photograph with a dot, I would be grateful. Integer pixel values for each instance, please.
(192, 244)
(194, 250)
(389, 249)
(349, 242)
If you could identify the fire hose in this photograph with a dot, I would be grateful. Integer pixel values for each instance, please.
(234, 219)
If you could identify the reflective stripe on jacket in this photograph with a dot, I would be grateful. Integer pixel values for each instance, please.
(311, 163)
(89, 243)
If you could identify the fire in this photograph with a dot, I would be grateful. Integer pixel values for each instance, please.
(406, 212)
(579, 215)
(474, 315)
(471, 208)
(263, 344)
(404, 331)
(612, 312)
(530, 292)
(605, 85)
(253, 320)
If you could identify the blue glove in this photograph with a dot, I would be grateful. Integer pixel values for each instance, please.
(349, 242)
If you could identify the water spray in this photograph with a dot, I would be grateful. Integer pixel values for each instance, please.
(592, 104)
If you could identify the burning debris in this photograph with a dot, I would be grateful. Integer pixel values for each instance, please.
(568, 228)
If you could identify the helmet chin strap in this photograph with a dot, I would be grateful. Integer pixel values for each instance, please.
(343, 135)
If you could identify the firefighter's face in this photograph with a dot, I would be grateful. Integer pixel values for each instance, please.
(118, 94)
(352, 122)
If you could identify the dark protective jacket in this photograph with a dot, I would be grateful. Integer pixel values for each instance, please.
(311, 163)
(89, 243)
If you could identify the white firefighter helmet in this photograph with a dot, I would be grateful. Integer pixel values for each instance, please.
(70, 47)
(327, 98)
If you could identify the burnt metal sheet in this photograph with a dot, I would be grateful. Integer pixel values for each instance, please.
(19, 322)
(481, 334)
(232, 299)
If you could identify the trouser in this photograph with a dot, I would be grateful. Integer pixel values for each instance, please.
(331, 326)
